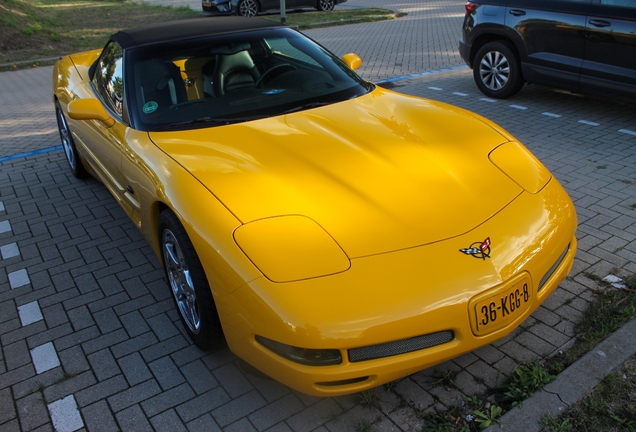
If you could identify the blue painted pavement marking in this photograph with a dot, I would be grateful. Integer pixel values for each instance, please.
(31, 153)
(420, 74)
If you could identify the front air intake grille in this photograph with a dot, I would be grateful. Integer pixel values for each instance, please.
(403, 346)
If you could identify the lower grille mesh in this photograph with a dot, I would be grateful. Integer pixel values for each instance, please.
(389, 349)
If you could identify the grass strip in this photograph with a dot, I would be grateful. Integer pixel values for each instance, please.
(611, 309)
(308, 20)
(612, 406)
(37, 32)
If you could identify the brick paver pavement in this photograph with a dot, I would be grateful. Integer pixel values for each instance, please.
(90, 338)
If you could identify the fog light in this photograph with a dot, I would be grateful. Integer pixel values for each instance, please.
(306, 356)
(223, 7)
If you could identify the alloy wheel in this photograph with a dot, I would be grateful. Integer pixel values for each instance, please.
(180, 281)
(494, 70)
(326, 5)
(65, 136)
(248, 8)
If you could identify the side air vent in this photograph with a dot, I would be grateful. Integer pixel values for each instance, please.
(555, 266)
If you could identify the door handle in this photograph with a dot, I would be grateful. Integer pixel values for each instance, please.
(517, 12)
(600, 23)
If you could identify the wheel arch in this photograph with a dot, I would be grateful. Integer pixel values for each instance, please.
(155, 209)
(481, 39)
(209, 226)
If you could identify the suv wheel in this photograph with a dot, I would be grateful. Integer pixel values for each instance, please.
(326, 5)
(248, 8)
(496, 70)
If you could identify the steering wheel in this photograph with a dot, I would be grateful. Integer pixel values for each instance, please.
(278, 69)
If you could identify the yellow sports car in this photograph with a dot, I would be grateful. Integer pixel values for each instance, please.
(337, 235)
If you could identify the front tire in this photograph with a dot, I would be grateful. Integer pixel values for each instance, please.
(326, 5)
(68, 144)
(188, 283)
(247, 8)
(496, 70)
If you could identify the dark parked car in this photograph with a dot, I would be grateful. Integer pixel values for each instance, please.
(249, 8)
(586, 46)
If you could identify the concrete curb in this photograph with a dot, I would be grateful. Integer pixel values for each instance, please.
(572, 384)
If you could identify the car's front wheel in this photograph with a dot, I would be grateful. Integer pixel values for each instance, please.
(497, 71)
(68, 144)
(326, 5)
(188, 283)
(248, 8)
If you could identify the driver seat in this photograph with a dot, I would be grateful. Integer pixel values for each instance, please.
(234, 71)
(161, 82)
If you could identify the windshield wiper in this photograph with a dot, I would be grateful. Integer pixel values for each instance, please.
(215, 121)
(305, 106)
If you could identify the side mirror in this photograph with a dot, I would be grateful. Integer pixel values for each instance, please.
(352, 60)
(89, 109)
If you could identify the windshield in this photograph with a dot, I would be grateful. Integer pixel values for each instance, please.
(233, 78)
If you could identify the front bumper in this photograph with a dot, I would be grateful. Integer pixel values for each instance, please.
(218, 7)
(390, 299)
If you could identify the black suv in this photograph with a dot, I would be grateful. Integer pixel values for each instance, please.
(586, 46)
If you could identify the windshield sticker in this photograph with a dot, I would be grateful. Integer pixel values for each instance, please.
(273, 91)
(150, 107)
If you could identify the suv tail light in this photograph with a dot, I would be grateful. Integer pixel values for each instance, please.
(470, 8)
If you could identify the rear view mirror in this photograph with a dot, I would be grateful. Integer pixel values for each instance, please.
(89, 109)
(352, 60)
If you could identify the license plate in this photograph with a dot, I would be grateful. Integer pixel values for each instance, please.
(207, 4)
(498, 310)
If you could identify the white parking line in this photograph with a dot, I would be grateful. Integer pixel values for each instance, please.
(30, 313)
(5, 226)
(524, 108)
(65, 415)
(9, 251)
(18, 278)
(44, 358)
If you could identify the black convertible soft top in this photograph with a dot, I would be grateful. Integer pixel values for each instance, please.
(187, 29)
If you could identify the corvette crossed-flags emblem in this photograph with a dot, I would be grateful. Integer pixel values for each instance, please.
(478, 249)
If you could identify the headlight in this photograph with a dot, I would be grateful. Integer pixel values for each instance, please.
(291, 248)
(521, 166)
(310, 357)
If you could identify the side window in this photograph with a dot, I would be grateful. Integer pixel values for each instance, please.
(282, 46)
(108, 79)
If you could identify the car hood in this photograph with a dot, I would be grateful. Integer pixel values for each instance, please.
(379, 173)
